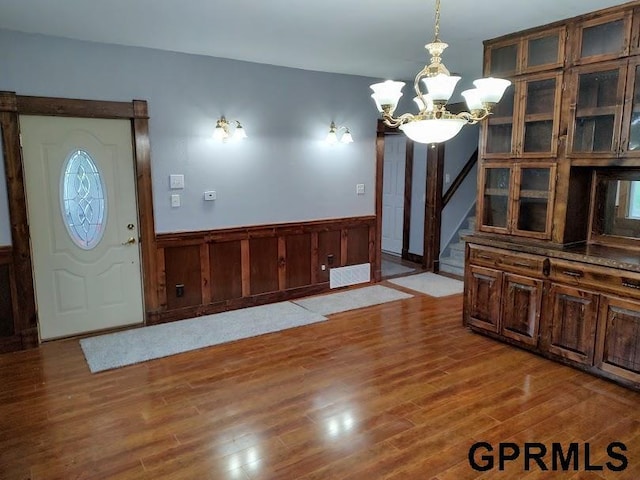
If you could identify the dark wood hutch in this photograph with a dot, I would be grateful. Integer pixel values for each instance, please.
(554, 264)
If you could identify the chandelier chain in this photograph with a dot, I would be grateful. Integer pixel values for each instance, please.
(437, 27)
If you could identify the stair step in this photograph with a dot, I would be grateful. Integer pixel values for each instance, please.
(465, 231)
(457, 251)
(452, 266)
(471, 223)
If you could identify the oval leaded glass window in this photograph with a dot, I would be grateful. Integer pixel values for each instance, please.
(83, 200)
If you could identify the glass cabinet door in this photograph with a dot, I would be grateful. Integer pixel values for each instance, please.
(534, 200)
(630, 138)
(502, 60)
(544, 50)
(597, 110)
(495, 199)
(603, 38)
(499, 127)
(541, 115)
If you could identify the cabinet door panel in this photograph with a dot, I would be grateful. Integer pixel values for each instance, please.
(572, 324)
(619, 338)
(596, 98)
(630, 136)
(603, 38)
(483, 307)
(521, 302)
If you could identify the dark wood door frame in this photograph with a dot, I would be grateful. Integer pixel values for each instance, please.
(433, 204)
(11, 107)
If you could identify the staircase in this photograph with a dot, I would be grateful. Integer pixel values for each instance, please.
(453, 263)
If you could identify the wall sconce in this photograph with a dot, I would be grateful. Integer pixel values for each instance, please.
(332, 136)
(222, 132)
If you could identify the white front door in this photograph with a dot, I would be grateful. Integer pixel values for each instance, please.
(393, 193)
(83, 221)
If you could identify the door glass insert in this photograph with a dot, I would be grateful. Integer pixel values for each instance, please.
(534, 199)
(543, 50)
(496, 197)
(83, 200)
(596, 111)
(606, 38)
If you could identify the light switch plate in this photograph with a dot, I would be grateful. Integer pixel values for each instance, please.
(210, 195)
(176, 181)
(360, 188)
(175, 200)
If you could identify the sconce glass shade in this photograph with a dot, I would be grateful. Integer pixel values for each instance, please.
(219, 133)
(432, 130)
(239, 134)
(387, 93)
(346, 137)
(332, 138)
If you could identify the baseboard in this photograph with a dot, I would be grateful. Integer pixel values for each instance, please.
(154, 318)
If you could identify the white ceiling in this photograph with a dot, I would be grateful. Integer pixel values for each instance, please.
(376, 38)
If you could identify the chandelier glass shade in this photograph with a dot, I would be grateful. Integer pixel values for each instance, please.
(434, 123)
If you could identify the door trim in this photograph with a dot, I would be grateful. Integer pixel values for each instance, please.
(11, 107)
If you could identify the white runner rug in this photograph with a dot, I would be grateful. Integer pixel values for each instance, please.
(351, 299)
(431, 284)
(118, 349)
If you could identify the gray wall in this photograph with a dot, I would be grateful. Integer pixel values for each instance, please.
(283, 172)
(456, 153)
(418, 199)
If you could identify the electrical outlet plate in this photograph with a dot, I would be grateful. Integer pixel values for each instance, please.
(210, 195)
(360, 188)
(175, 200)
(176, 181)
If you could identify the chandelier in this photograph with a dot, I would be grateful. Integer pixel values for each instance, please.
(434, 123)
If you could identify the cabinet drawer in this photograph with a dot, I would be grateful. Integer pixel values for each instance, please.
(506, 260)
(605, 279)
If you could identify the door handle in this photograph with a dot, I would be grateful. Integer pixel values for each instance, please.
(129, 241)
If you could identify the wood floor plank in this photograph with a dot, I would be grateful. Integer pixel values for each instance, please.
(395, 391)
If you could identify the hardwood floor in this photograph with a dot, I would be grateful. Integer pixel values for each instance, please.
(397, 391)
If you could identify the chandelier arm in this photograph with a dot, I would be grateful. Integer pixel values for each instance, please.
(395, 122)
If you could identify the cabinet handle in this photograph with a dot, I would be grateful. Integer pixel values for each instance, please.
(630, 283)
(522, 264)
(573, 274)
(485, 257)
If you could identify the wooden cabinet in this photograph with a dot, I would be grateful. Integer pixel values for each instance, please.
(541, 50)
(582, 314)
(525, 122)
(618, 351)
(517, 198)
(503, 302)
(570, 323)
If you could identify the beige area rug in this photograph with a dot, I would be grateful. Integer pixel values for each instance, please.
(430, 284)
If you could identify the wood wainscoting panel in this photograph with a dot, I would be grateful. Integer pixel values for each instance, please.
(239, 267)
(298, 260)
(182, 267)
(225, 260)
(329, 253)
(263, 255)
(357, 245)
